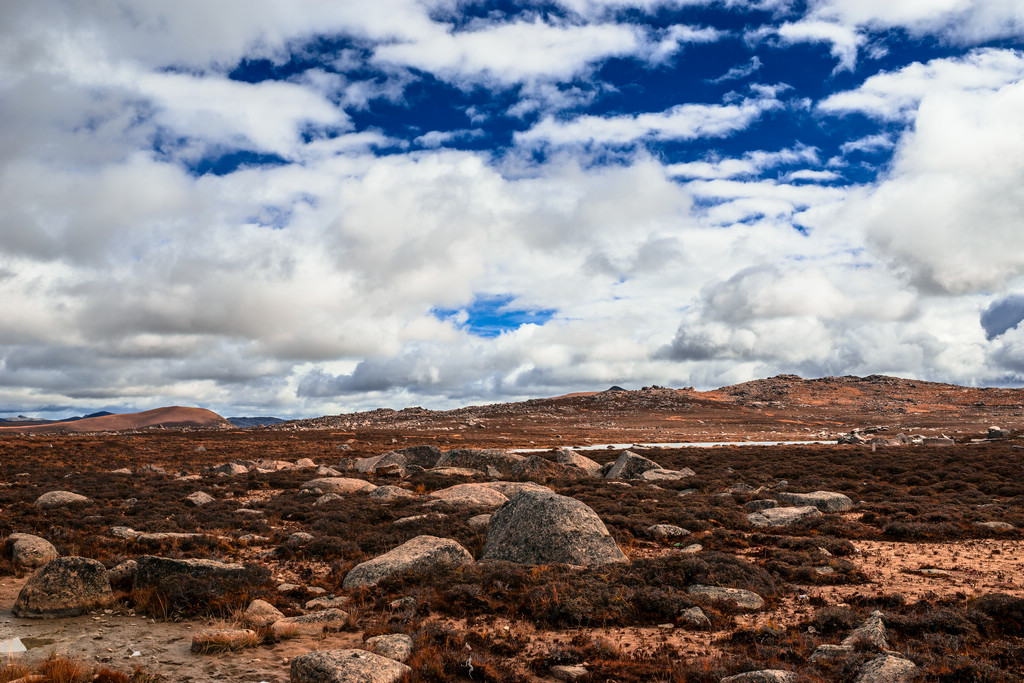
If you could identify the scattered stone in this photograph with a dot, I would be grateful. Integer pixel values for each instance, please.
(542, 527)
(571, 458)
(121, 470)
(298, 539)
(261, 613)
(30, 552)
(153, 571)
(326, 472)
(64, 587)
(686, 492)
(629, 465)
(659, 474)
(253, 538)
(224, 639)
(123, 574)
(782, 516)
(61, 499)
(345, 666)
(198, 499)
(432, 516)
(763, 676)
(995, 526)
(396, 646)
(304, 464)
(151, 469)
(569, 672)
(761, 504)
(738, 597)
(695, 617)
(288, 588)
(886, 669)
(249, 512)
(937, 441)
(311, 624)
(338, 485)
(388, 494)
(870, 634)
(327, 499)
(692, 548)
(228, 469)
(422, 553)
(663, 532)
(826, 501)
(457, 472)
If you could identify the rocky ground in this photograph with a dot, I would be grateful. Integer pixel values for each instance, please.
(291, 553)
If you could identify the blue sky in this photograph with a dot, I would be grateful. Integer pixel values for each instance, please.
(267, 207)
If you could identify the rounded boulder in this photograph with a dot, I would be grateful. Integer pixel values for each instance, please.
(542, 527)
(65, 587)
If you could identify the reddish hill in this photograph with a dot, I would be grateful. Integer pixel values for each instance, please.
(171, 417)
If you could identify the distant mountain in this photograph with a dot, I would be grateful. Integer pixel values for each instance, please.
(245, 422)
(24, 421)
(174, 417)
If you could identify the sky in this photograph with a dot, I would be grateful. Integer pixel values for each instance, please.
(271, 207)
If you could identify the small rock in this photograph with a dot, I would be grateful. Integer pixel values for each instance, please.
(389, 493)
(345, 666)
(870, 634)
(420, 553)
(998, 433)
(567, 672)
(327, 603)
(311, 624)
(695, 618)
(479, 522)
(763, 676)
(738, 597)
(886, 669)
(327, 499)
(995, 526)
(198, 499)
(663, 532)
(261, 613)
(659, 474)
(826, 651)
(60, 499)
(761, 504)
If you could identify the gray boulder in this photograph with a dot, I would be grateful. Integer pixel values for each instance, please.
(345, 666)
(396, 646)
(659, 474)
(887, 669)
(64, 587)
(737, 597)
(481, 459)
(782, 516)
(869, 635)
(30, 552)
(663, 532)
(629, 465)
(695, 618)
(422, 553)
(61, 499)
(542, 527)
(198, 499)
(826, 501)
(571, 458)
(154, 571)
(998, 433)
(261, 613)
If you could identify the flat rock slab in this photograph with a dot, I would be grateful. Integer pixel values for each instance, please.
(61, 499)
(763, 676)
(738, 597)
(152, 570)
(64, 587)
(659, 474)
(470, 495)
(826, 501)
(338, 485)
(30, 552)
(782, 516)
(887, 669)
(542, 527)
(346, 666)
(387, 494)
(422, 553)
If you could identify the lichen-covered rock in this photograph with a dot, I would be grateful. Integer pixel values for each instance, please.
(338, 485)
(155, 571)
(422, 553)
(481, 459)
(695, 618)
(470, 495)
(782, 516)
(64, 587)
(536, 468)
(388, 494)
(261, 613)
(345, 666)
(887, 669)
(198, 499)
(61, 499)
(30, 552)
(312, 623)
(870, 634)
(663, 532)
(659, 474)
(629, 465)
(738, 597)
(396, 646)
(542, 527)
(826, 501)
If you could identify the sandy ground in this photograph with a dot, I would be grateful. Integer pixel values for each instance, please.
(163, 647)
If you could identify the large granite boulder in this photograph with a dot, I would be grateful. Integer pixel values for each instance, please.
(64, 587)
(542, 527)
(826, 501)
(30, 552)
(571, 458)
(629, 465)
(345, 666)
(492, 461)
(422, 553)
(782, 516)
